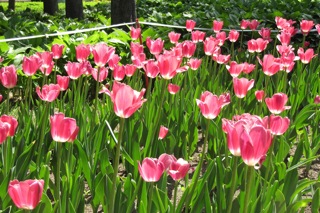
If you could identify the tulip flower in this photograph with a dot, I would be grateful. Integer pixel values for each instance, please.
(174, 37)
(103, 74)
(4, 130)
(163, 132)
(49, 92)
(221, 38)
(317, 99)
(166, 160)
(12, 124)
(259, 95)
(31, 64)
(276, 104)
(210, 46)
(197, 36)
(253, 24)
(233, 35)
(168, 65)
(217, 26)
(265, 33)
(119, 72)
(248, 68)
(114, 61)
(75, 69)
(8, 76)
(190, 24)
(254, 145)
(63, 129)
(135, 33)
(1, 97)
(318, 28)
(26, 194)
(210, 105)
(178, 169)
(235, 69)
(151, 68)
(102, 53)
(188, 48)
(151, 169)
(241, 86)
(306, 56)
(173, 89)
(244, 24)
(233, 130)
(306, 26)
(82, 52)
(130, 69)
(278, 125)
(57, 50)
(284, 38)
(46, 58)
(270, 64)
(155, 46)
(221, 59)
(194, 63)
(63, 82)
(125, 100)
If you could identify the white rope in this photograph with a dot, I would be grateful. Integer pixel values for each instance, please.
(119, 25)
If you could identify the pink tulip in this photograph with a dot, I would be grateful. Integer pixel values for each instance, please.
(151, 169)
(248, 68)
(306, 26)
(103, 74)
(217, 26)
(173, 89)
(49, 92)
(1, 97)
(82, 52)
(8, 76)
(57, 50)
(317, 99)
(197, 36)
(259, 95)
(163, 132)
(210, 46)
(194, 63)
(168, 65)
(130, 69)
(151, 68)
(276, 104)
(136, 48)
(283, 23)
(114, 61)
(47, 62)
(178, 169)
(135, 33)
(253, 24)
(26, 194)
(210, 105)
(233, 35)
(244, 24)
(119, 72)
(12, 124)
(284, 38)
(1, 59)
(125, 100)
(63, 82)
(155, 46)
(4, 130)
(31, 64)
(47, 69)
(318, 28)
(221, 37)
(63, 129)
(174, 37)
(166, 160)
(257, 45)
(235, 69)
(75, 69)
(265, 33)
(306, 56)
(254, 145)
(139, 60)
(233, 130)
(278, 125)
(221, 59)
(188, 48)
(190, 24)
(102, 53)
(241, 86)
(270, 65)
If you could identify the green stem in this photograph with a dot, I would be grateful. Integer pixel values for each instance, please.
(57, 175)
(176, 183)
(150, 197)
(233, 182)
(96, 117)
(116, 166)
(198, 170)
(129, 207)
(250, 174)
(42, 125)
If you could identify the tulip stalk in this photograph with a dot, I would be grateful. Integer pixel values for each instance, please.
(116, 165)
(57, 174)
(233, 182)
(249, 179)
(176, 183)
(199, 167)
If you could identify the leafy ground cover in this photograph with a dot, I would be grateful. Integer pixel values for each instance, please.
(215, 121)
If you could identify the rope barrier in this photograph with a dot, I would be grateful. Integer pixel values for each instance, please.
(119, 25)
